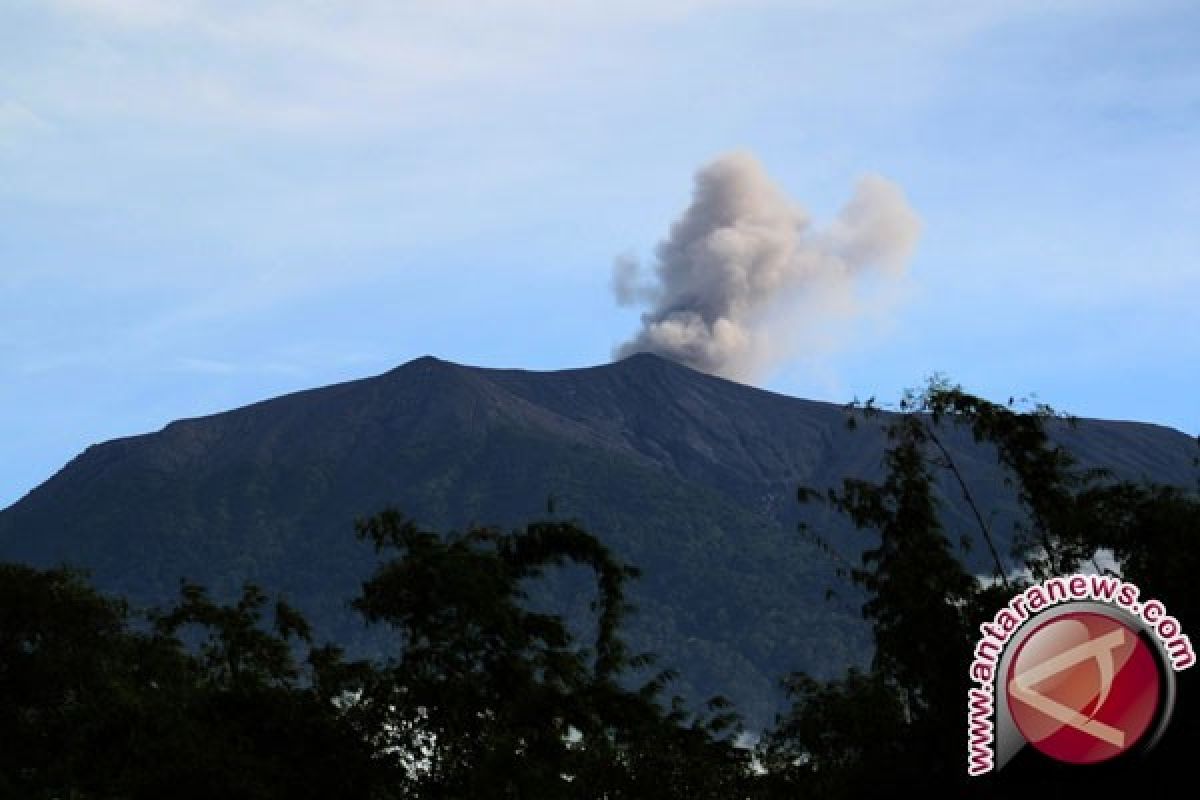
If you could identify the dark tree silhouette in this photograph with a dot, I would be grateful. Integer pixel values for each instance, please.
(487, 698)
(92, 706)
(484, 696)
(900, 727)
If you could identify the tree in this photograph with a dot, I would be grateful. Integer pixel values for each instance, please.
(259, 724)
(67, 669)
(94, 706)
(484, 697)
(901, 725)
(487, 698)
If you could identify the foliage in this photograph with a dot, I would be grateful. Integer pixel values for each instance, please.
(901, 726)
(484, 697)
(488, 698)
(94, 706)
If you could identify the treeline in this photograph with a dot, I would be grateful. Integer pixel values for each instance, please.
(484, 697)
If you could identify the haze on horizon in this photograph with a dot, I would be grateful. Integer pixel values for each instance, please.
(206, 203)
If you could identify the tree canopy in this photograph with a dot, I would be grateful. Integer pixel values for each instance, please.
(901, 725)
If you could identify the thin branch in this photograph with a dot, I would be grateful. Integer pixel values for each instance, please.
(970, 498)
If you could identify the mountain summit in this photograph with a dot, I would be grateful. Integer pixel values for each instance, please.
(690, 477)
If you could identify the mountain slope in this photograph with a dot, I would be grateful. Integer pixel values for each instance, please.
(690, 477)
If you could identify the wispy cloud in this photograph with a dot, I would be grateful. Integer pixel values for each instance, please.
(19, 128)
(318, 68)
(218, 367)
(16, 119)
(329, 68)
(206, 366)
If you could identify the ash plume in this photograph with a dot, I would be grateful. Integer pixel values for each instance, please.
(743, 282)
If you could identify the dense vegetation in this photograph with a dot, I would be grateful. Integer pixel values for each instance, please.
(900, 726)
(486, 694)
(483, 697)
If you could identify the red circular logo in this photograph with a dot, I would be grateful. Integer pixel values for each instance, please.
(1083, 688)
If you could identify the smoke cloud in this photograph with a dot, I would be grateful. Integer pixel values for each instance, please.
(743, 282)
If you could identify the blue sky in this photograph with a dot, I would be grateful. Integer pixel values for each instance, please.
(204, 204)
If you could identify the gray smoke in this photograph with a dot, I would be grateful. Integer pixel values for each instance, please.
(743, 281)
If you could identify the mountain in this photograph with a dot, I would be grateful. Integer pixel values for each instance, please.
(690, 477)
